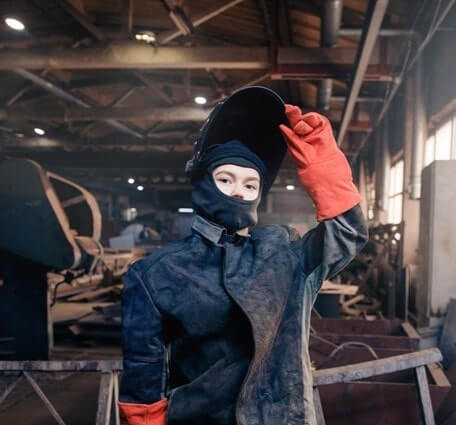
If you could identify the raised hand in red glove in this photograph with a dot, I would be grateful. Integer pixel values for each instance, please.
(322, 167)
(143, 414)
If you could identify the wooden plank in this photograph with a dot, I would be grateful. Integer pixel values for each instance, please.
(424, 396)
(105, 399)
(375, 341)
(438, 376)
(318, 408)
(364, 370)
(357, 326)
(329, 287)
(116, 398)
(45, 400)
(9, 389)
(91, 294)
(409, 330)
(62, 366)
(71, 312)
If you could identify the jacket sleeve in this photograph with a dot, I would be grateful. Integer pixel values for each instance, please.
(330, 246)
(142, 388)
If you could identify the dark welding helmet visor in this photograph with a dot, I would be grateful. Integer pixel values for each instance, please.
(252, 115)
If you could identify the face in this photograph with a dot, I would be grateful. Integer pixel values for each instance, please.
(238, 182)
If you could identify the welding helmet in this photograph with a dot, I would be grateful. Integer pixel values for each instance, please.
(251, 115)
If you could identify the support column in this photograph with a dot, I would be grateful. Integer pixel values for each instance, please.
(382, 167)
(413, 143)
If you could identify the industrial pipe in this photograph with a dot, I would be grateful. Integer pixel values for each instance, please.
(332, 16)
(331, 19)
(419, 134)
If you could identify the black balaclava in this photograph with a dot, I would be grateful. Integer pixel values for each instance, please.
(211, 203)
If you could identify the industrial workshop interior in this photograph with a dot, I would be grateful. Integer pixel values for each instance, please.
(119, 123)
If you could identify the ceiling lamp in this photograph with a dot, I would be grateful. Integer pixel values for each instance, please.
(290, 187)
(39, 131)
(147, 36)
(140, 188)
(200, 100)
(15, 24)
(131, 180)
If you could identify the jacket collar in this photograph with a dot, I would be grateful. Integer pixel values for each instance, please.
(212, 231)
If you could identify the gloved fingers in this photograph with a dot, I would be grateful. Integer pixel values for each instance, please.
(291, 137)
(314, 119)
(293, 114)
(288, 134)
(296, 147)
(302, 128)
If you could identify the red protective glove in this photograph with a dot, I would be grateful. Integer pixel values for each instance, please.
(322, 167)
(143, 414)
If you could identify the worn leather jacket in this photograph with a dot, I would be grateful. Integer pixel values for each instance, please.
(177, 317)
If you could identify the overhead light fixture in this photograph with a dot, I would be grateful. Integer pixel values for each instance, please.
(290, 187)
(147, 36)
(39, 131)
(15, 24)
(200, 100)
(140, 188)
(131, 180)
(185, 210)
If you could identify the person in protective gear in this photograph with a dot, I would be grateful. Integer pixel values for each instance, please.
(215, 326)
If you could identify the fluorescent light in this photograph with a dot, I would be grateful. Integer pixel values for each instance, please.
(140, 188)
(290, 187)
(15, 24)
(200, 100)
(39, 131)
(131, 180)
(185, 210)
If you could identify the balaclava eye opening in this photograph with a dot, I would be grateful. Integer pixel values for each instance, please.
(211, 203)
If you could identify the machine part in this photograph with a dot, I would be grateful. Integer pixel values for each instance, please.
(437, 247)
(34, 224)
(24, 311)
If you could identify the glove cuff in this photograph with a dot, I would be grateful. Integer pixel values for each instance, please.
(330, 185)
(143, 414)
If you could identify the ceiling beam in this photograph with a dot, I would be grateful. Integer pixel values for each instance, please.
(197, 20)
(81, 19)
(50, 87)
(171, 114)
(374, 18)
(164, 114)
(114, 159)
(128, 55)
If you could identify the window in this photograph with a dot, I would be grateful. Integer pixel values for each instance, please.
(429, 153)
(442, 144)
(443, 141)
(396, 187)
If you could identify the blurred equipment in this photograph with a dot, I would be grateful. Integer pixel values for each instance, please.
(49, 224)
(377, 270)
(437, 242)
(389, 395)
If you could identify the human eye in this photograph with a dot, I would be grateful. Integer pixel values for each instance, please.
(224, 179)
(251, 187)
